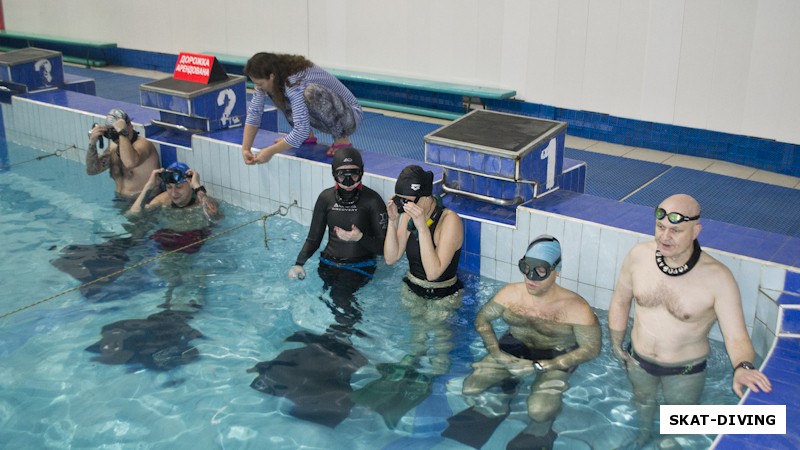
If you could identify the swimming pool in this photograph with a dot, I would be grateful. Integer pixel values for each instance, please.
(55, 395)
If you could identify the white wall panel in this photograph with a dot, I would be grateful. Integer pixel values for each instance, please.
(515, 43)
(570, 53)
(731, 65)
(661, 63)
(694, 68)
(600, 70)
(772, 103)
(542, 53)
(722, 65)
(631, 52)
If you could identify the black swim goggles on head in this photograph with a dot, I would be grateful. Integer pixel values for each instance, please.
(674, 217)
(536, 269)
(171, 176)
(400, 202)
(348, 177)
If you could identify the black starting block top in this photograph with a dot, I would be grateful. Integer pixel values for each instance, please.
(188, 89)
(506, 135)
(26, 55)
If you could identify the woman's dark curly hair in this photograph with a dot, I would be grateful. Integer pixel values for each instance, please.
(263, 64)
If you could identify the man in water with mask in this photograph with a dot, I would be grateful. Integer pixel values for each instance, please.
(129, 158)
(355, 217)
(550, 331)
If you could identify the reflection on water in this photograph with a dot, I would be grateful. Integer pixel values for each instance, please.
(53, 394)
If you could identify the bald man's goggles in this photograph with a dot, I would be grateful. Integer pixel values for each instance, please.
(536, 269)
(172, 176)
(674, 217)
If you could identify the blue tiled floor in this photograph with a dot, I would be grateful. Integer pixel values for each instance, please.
(112, 85)
(743, 202)
(601, 173)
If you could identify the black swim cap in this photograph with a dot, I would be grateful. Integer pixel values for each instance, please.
(414, 180)
(345, 157)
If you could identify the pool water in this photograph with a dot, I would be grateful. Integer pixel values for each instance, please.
(53, 394)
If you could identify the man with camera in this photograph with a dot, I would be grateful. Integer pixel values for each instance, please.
(129, 158)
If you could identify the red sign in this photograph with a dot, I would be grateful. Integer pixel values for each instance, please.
(194, 67)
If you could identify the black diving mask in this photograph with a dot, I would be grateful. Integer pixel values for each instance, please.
(400, 202)
(348, 177)
(536, 269)
(171, 176)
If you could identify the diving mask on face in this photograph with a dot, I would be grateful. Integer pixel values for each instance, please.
(173, 176)
(536, 269)
(348, 177)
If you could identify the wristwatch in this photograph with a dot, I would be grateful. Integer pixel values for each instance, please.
(201, 189)
(123, 132)
(538, 366)
(747, 365)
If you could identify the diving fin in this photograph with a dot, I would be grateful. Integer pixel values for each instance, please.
(527, 441)
(473, 428)
(399, 389)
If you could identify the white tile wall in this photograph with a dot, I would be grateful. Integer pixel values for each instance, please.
(489, 240)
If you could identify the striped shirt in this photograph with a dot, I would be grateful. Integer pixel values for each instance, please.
(294, 95)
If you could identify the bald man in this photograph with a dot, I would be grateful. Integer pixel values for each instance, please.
(680, 292)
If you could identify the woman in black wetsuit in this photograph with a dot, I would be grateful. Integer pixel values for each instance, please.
(355, 217)
(430, 236)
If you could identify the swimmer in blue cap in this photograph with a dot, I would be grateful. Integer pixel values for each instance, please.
(182, 190)
(551, 330)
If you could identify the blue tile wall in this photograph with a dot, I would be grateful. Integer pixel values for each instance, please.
(791, 321)
(792, 282)
(471, 249)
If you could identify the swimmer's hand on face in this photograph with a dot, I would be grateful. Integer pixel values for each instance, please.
(391, 208)
(297, 272)
(96, 132)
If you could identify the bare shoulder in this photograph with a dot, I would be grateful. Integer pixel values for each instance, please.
(715, 273)
(509, 294)
(451, 218)
(578, 309)
(642, 250)
(161, 199)
(144, 146)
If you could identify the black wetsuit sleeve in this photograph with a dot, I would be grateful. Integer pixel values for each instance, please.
(379, 221)
(319, 222)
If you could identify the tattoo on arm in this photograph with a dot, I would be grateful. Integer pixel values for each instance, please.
(95, 163)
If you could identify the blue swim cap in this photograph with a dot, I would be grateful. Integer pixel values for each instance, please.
(175, 173)
(178, 166)
(546, 248)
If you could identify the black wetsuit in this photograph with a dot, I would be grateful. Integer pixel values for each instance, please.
(346, 266)
(418, 270)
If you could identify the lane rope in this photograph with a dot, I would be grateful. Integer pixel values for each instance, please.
(282, 211)
(39, 158)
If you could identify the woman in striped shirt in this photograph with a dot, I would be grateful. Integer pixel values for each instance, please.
(309, 97)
